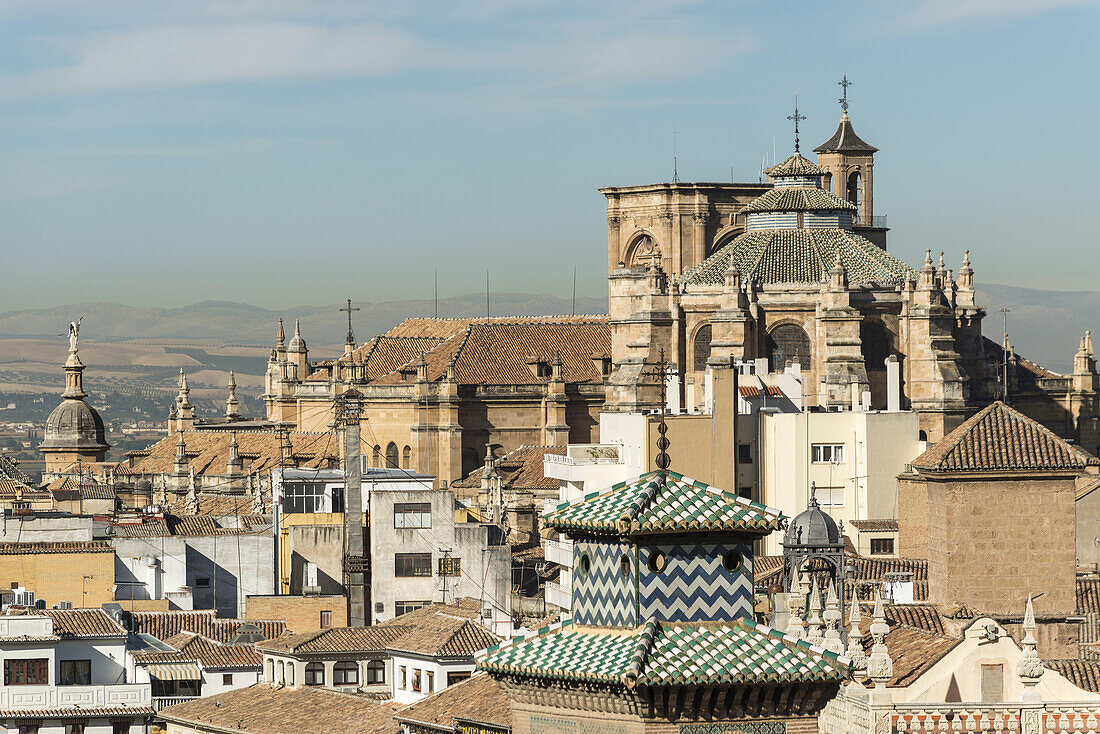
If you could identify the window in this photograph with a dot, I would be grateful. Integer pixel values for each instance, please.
(732, 561)
(993, 683)
(585, 565)
(392, 458)
(450, 566)
(326, 619)
(406, 458)
(624, 565)
(303, 497)
(345, 673)
(830, 496)
(416, 680)
(202, 582)
(429, 684)
(28, 729)
(315, 674)
(120, 727)
(657, 562)
(701, 351)
(788, 344)
(855, 190)
(453, 678)
(412, 515)
(882, 546)
(744, 453)
(745, 492)
(412, 564)
(401, 677)
(377, 459)
(75, 673)
(827, 453)
(31, 672)
(404, 607)
(75, 728)
(337, 499)
(227, 679)
(376, 672)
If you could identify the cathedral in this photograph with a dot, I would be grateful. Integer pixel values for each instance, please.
(796, 271)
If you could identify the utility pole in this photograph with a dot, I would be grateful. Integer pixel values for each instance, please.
(356, 565)
(444, 569)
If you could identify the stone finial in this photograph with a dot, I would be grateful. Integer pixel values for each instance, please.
(815, 632)
(184, 390)
(927, 263)
(855, 637)
(232, 405)
(191, 501)
(1030, 667)
(880, 668)
(1088, 342)
(256, 489)
(179, 463)
(833, 618)
(280, 336)
(796, 604)
(234, 464)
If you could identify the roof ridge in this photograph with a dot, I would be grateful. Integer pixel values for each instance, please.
(839, 658)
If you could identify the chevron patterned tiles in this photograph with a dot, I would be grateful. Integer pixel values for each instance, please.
(736, 727)
(694, 586)
(603, 596)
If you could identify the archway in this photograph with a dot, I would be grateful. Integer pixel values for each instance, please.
(393, 458)
(855, 189)
(701, 348)
(642, 251)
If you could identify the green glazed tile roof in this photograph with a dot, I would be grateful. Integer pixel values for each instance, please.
(667, 654)
(798, 199)
(655, 504)
(799, 256)
(796, 165)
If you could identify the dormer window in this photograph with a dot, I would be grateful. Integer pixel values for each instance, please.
(539, 368)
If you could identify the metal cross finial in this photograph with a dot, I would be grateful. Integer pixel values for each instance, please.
(797, 118)
(844, 99)
(349, 309)
(661, 370)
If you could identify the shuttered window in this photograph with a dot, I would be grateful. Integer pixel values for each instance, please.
(993, 683)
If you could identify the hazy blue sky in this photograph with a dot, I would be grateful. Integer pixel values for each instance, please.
(298, 151)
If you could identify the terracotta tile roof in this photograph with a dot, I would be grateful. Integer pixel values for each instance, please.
(754, 391)
(1085, 674)
(13, 489)
(78, 712)
(653, 503)
(10, 470)
(337, 639)
(384, 354)
(521, 469)
(918, 616)
(263, 709)
(192, 525)
(209, 653)
(738, 652)
(1000, 438)
(876, 526)
(83, 623)
(164, 625)
(443, 630)
(1028, 374)
(912, 650)
(796, 165)
(798, 256)
(208, 450)
(845, 140)
(217, 505)
(71, 546)
(479, 698)
(498, 352)
(1088, 596)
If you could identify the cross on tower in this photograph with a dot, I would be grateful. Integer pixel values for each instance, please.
(797, 118)
(661, 370)
(349, 309)
(844, 83)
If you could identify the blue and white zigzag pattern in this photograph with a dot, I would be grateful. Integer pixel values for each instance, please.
(695, 587)
(604, 596)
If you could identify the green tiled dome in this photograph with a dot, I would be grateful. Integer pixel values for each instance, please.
(798, 200)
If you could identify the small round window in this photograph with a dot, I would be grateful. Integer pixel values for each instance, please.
(732, 561)
(585, 565)
(657, 562)
(624, 565)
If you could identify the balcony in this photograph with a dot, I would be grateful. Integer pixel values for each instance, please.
(586, 463)
(584, 454)
(160, 702)
(559, 552)
(101, 696)
(559, 596)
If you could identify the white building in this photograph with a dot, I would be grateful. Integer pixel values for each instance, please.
(65, 669)
(189, 665)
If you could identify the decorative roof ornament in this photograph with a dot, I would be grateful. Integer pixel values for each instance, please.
(179, 463)
(351, 335)
(191, 500)
(796, 118)
(1030, 667)
(232, 405)
(833, 618)
(280, 337)
(815, 632)
(256, 489)
(880, 667)
(234, 464)
(844, 83)
(855, 637)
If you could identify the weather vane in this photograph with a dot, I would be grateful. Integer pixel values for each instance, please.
(844, 83)
(797, 118)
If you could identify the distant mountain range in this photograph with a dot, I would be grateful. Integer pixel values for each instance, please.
(1043, 325)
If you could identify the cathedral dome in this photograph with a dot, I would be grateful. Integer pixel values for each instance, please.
(813, 527)
(75, 425)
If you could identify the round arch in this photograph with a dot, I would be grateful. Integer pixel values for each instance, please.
(642, 248)
(393, 457)
(724, 236)
(700, 346)
(788, 343)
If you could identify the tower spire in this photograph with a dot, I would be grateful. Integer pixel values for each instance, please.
(232, 405)
(796, 118)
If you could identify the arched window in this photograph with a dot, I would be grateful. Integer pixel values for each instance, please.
(876, 343)
(315, 674)
(345, 673)
(376, 459)
(827, 182)
(855, 189)
(376, 672)
(406, 458)
(788, 344)
(643, 251)
(392, 457)
(288, 673)
(269, 670)
(701, 350)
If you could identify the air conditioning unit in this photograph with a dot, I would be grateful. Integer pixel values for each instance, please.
(487, 613)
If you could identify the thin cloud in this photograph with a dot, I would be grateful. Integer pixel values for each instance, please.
(929, 14)
(161, 58)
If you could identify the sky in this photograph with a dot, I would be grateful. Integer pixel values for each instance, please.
(286, 152)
